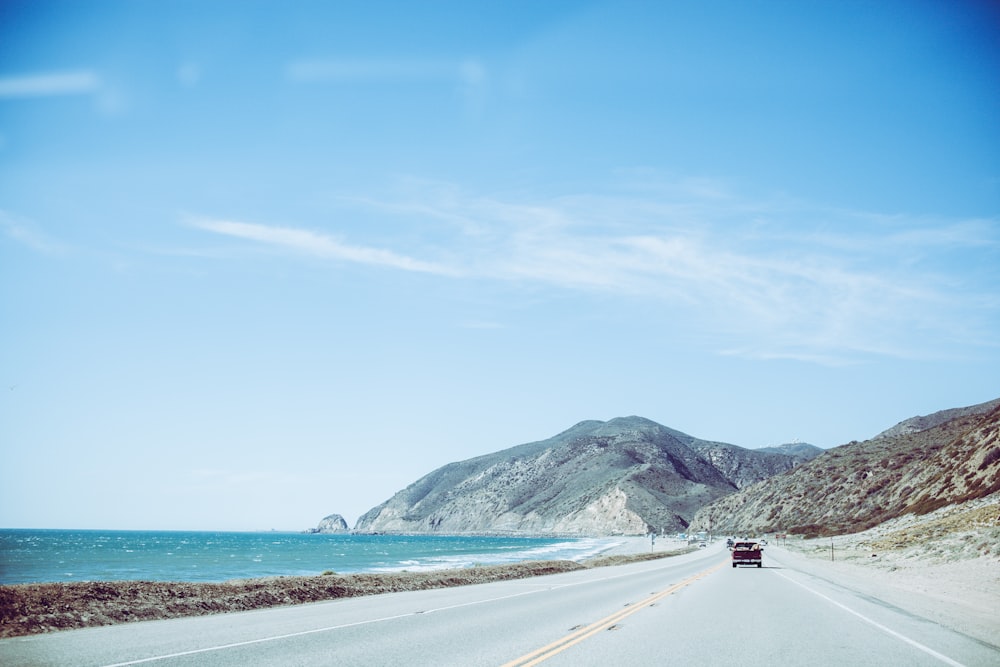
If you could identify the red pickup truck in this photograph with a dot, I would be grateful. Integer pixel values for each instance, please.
(747, 553)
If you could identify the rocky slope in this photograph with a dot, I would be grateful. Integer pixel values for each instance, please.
(743, 469)
(925, 463)
(917, 424)
(334, 523)
(624, 476)
(803, 451)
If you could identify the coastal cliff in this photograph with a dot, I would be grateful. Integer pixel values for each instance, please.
(629, 475)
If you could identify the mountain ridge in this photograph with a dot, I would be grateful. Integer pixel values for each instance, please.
(947, 458)
(627, 475)
(924, 422)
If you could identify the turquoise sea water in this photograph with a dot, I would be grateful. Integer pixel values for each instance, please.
(28, 556)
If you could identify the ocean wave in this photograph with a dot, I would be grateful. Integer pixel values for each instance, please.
(39, 556)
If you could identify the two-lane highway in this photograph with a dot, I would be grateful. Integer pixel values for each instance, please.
(777, 615)
(684, 610)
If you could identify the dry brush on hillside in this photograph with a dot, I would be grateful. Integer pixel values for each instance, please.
(860, 485)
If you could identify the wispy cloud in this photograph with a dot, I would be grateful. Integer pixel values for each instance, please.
(76, 82)
(109, 100)
(775, 278)
(320, 245)
(760, 279)
(29, 234)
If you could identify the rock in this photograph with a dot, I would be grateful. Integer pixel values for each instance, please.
(333, 523)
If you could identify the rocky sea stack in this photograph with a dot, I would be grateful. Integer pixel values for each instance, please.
(333, 523)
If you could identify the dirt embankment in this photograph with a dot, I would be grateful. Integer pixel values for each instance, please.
(944, 566)
(35, 608)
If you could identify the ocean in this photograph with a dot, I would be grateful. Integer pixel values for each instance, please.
(32, 556)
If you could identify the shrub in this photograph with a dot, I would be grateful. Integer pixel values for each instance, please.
(926, 505)
(991, 457)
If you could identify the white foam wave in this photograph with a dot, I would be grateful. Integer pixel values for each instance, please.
(576, 550)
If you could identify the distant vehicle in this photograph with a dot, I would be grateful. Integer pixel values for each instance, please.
(702, 545)
(747, 553)
(729, 543)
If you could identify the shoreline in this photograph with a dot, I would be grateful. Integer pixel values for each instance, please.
(43, 556)
(958, 592)
(28, 609)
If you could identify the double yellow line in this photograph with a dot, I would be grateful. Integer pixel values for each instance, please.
(560, 645)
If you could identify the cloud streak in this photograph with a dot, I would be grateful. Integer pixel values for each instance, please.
(764, 279)
(774, 278)
(28, 234)
(77, 82)
(319, 245)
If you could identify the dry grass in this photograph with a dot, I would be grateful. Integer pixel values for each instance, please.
(943, 566)
(955, 533)
(861, 485)
(35, 608)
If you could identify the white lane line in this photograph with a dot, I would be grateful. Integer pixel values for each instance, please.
(261, 640)
(540, 588)
(889, 631)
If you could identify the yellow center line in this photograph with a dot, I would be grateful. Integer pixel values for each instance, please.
(560, 645)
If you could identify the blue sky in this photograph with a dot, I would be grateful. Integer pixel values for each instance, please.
(261, 261)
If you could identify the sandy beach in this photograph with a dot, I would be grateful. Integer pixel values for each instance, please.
(628, 545)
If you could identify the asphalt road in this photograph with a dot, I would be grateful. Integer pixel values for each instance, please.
(693, 609)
